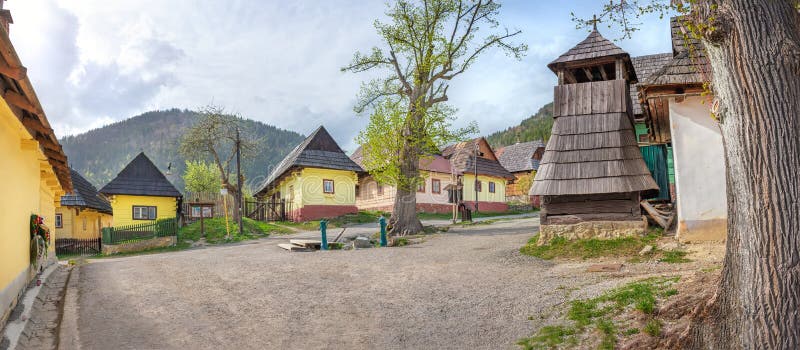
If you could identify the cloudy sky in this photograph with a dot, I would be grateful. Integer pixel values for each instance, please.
(93, 62)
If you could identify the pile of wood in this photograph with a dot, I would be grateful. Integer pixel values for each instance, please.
(663, 214)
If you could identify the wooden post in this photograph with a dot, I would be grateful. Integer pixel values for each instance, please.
(620, 69)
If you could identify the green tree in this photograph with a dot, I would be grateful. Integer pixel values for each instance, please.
(214, 138)
(753, 47)
(426, 44)
(201, 176)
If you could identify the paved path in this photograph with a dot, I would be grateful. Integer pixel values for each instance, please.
(466, 289)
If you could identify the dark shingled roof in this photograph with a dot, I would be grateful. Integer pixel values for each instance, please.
(646, 66)
(519, 157)
(689, 64)
(462, 158)
(594, 47)
(141, 178)
(318, 150)
(84, 195)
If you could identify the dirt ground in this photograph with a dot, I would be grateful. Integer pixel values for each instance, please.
(469, 288)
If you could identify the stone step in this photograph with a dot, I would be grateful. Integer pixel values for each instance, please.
(294, 247)
(308, 243)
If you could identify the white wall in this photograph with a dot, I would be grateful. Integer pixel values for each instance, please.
(699, 171)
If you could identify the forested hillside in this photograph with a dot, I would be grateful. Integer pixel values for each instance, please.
(101, 153)
(535, 127)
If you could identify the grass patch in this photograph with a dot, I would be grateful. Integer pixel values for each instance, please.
(674, 257)
(362, 217)
(598, 314)
(215, 231)
(301, 226)
(560, 247)
(653, 327)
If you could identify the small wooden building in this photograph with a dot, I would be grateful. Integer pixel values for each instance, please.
(522, 159)
(82, 213)
(592, 173)
(141, 193)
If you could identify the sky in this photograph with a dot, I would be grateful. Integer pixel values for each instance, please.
(94, 62)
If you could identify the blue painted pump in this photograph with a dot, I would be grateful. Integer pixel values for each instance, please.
(323, 228)
(382, 220)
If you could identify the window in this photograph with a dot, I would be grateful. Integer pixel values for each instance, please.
(358, 190)
(327, 186)
(84, 224)
(478, 186)
(141, 212)
(421, 186)
(380, 190)
(59, 222)
(491, 187)
(436, 186)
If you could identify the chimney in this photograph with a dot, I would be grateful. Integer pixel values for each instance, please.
(5, 17)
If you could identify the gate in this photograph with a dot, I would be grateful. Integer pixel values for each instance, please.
(69, 246)
(271, 210)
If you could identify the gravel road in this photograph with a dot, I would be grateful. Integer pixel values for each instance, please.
(465, 289)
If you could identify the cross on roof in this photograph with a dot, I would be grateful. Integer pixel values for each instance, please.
(593, 21)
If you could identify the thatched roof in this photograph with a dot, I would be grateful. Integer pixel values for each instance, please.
(85, 195)
(520, 157)
(141, 178)
(593, 148)
(318, 150)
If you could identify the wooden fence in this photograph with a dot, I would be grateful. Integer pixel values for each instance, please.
(219, 201)
(88, 246)
(138, 232)
(270, 210)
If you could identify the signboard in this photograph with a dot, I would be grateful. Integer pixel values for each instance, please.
(207, 210)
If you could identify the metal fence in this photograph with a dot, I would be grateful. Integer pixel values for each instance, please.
(138, 232)
(87, 246)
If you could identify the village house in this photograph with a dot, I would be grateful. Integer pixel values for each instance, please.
(592, 175)
(677, 115)
(141, 194)
(476, 157)
(432, 193)
(522, 160)
(316, 180)
(82, 213)
(35, 175)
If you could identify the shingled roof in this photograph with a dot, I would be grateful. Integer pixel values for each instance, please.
(463, 160)
(85, 195)
(645, 66)
(594, 47)
(318, 150)
(141, 178)
(519, 157)
(689, 64)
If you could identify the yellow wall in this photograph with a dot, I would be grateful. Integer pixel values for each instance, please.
(73, 225)
(29, 186)
(307, 187)
(484, 196)
(122, 205)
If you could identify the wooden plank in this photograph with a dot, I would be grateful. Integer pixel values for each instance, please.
(16, 99)
(293, 248)
(16, 73)
(589, 207)
(586, 98)
(578, 218)
(307, 243)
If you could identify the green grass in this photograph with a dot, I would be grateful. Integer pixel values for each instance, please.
(674, 257)
(215, 231)
(362, 217)
(560, 247)
(653, 327)
(598, 314)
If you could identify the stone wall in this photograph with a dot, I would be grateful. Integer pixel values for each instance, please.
(593, 229)
(157, 242)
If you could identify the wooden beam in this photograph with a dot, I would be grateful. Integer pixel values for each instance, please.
(16, 73)
(21, 101)
(588, 73)
(620, 67)
(603, 72)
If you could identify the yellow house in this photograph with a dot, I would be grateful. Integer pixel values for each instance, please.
(316, 179)
(83, 212)
(141, 193)
(34, 174)
(476, 157)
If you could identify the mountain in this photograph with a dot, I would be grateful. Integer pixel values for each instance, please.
(101, 153)
(535, 127)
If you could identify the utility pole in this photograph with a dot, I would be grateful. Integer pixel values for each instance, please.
(476, 176)
(239, 197)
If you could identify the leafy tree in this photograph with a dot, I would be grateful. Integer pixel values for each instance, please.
(427, 43)
(201, 177)
(753, 47)
(214, 137)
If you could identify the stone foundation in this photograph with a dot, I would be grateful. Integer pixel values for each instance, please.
(593, 229)
(156, 242)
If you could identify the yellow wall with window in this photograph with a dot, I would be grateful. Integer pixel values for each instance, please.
(29, 186)
(305, 187)
(484, 195)
(85, 224)
(122, 206)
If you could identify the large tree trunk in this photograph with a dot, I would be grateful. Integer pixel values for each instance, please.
(755, 62)
(404, 219)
